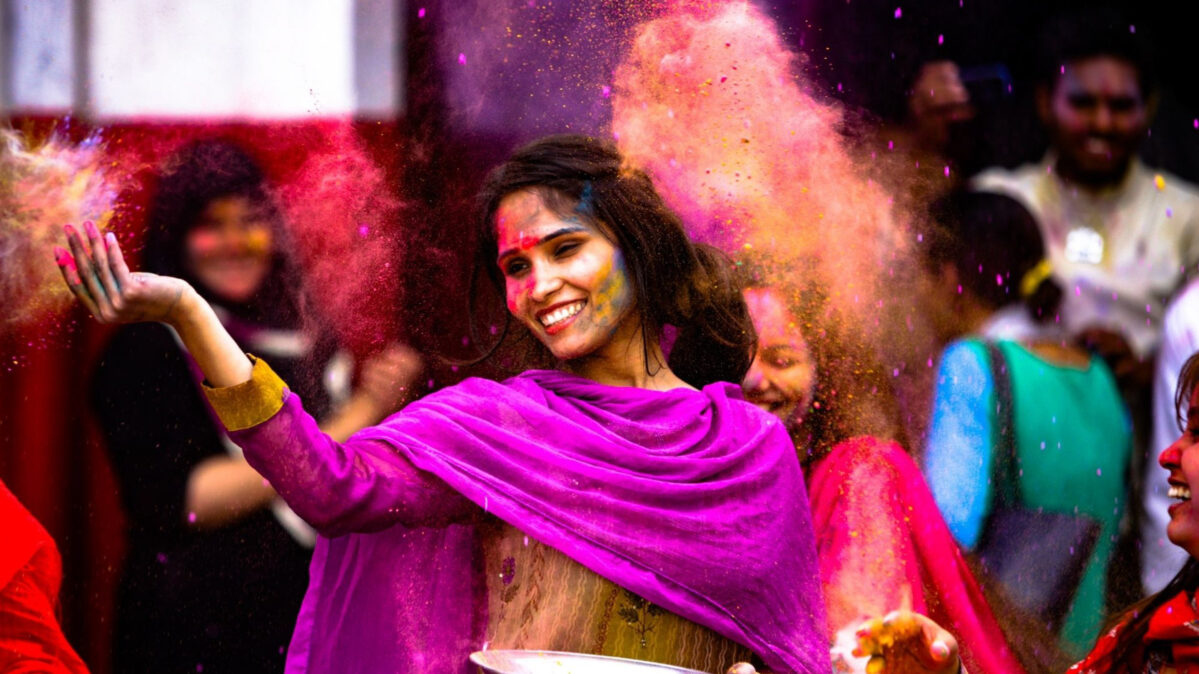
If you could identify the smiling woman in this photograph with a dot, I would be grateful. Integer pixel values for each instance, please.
(602, 507)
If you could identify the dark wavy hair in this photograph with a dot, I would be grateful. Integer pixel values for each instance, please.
(194, 177)
(984, 235)
(1091, 32)
(675, 282)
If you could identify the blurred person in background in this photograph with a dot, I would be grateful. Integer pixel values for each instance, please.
(993, 294)
(217, 564)
(1119, 234)
(881, 540)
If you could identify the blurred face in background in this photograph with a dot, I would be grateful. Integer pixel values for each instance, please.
(229, 249)
(782, 378)
(1096, 116)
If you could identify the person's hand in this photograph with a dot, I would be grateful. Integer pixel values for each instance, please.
(904, 642)
(741, 668)
(97, 274)
(387, 377)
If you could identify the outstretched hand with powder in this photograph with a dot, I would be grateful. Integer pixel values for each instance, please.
(97, 274)
(904, 642)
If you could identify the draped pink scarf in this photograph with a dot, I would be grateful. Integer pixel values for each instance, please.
(880, 537)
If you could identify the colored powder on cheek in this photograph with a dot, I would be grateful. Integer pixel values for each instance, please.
(612, 296)
(258, 241)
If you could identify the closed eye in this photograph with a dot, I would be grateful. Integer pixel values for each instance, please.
(567, 248)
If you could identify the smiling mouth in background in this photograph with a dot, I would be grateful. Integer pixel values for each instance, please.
(771, 405)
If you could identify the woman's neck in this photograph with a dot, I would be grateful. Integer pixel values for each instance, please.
(628, 359)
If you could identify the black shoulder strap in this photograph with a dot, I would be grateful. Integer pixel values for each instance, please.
(1003, 478)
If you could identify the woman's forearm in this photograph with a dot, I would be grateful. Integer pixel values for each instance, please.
(222, 490)
(218, 356)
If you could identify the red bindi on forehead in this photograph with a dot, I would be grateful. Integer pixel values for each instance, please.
(514, 221)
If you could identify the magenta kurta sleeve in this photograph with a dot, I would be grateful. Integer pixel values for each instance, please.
(338, 488)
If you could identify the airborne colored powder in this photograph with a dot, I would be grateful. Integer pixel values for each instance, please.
(42, 188)
(340, 214)
(711, 104)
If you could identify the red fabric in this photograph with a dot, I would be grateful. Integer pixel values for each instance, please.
(1174, 627)
(30, 574)
(1177, 622)
(882, 543)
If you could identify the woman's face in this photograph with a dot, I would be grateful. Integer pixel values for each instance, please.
(229, 249)
(563, 277)
(782, 378)
(1182, 460)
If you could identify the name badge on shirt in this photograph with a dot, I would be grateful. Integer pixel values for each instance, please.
(1084, 245)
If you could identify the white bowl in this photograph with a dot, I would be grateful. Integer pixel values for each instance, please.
(558, 662)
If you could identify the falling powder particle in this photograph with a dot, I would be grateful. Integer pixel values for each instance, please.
(940, 39)
(462, 58)
(898, 12)
(1159, 181)
(420, 13)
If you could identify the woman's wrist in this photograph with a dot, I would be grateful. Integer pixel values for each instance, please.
(187, 308)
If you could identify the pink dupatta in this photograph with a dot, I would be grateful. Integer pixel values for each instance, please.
(880, 536)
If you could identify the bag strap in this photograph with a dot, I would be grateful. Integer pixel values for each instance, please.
(1003, 455)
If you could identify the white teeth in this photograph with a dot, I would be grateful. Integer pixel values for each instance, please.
(559, 315)
(1179, 492)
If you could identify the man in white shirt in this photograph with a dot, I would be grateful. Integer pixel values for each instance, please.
(1121, 237)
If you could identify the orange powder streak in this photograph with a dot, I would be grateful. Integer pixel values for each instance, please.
(709, 102)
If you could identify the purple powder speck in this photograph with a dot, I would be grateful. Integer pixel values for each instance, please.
(462, 58)
(420, 13)
(898, 12)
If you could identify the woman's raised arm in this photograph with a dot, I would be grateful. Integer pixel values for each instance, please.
(97, 274)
